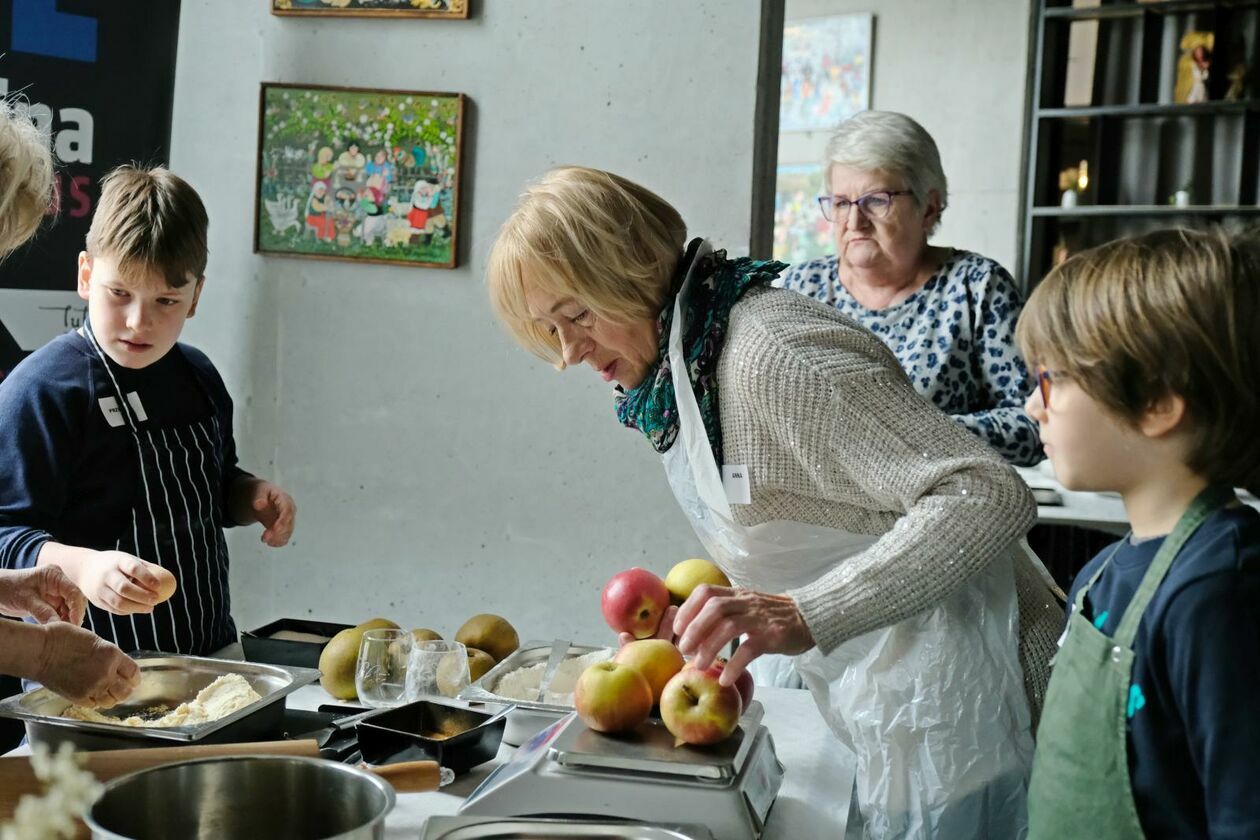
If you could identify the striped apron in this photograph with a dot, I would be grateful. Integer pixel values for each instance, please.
(176, 523)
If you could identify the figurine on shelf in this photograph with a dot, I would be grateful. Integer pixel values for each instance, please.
(1194, 67)
(1072, 182)
(1182, 197)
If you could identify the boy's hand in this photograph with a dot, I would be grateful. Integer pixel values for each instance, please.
(123, 584)
(84, 668)
(276, 510)
(45, 593)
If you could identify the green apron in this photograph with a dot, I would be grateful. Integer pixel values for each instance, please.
(1080, 779)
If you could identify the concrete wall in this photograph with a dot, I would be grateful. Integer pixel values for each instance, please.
(959, 68)
(440, 471)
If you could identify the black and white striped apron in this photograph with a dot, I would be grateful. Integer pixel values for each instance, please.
(175, 523)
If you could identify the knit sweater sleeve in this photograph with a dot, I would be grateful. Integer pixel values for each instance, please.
(864, 440)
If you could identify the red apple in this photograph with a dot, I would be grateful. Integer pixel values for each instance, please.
(612, 697)
(656, 659)
(697, 709)
(634, 601)
(743, 683)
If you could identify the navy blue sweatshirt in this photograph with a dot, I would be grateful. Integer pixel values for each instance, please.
(1193, 724)
(68, 476)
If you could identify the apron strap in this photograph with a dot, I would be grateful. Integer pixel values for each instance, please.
(1210, 499)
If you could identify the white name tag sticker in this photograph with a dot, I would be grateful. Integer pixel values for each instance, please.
(133, 400)
(736, 484)
(113, 414)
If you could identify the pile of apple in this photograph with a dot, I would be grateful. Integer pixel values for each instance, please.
(619, 695)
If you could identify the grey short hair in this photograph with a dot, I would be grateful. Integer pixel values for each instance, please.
(890, 142)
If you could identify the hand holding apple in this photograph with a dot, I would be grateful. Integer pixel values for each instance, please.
(698, 709)
(612, 697)
(634, 601)
(714, 615)
(743, 683)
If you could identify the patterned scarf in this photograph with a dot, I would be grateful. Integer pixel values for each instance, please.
(718, 284)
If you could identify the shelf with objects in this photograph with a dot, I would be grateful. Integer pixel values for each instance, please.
(1143, 115)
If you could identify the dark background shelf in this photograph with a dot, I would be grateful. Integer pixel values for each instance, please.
(1102, 91)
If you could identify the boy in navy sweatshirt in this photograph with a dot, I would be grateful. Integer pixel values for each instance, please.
(120, 465)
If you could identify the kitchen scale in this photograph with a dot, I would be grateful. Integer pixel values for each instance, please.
(568, 769)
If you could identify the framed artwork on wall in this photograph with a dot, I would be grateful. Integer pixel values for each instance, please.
(800, 231)
(454, 9)
(359, 174)
(826, 74)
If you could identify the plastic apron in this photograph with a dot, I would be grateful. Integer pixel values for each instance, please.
(933, 706)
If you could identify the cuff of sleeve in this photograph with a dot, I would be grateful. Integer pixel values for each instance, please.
(832, 618)
(22, 552)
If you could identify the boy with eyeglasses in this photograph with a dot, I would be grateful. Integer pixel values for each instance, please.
(1146, 354)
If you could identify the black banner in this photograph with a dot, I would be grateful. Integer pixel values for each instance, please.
(98, 77)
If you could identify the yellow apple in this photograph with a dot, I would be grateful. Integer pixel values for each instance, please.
(687, 575)
(612, 697)
(656, 659)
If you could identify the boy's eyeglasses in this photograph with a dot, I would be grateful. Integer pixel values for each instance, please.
(1045, 378)
(876, 205)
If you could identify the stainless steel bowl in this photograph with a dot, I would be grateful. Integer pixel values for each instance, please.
(244, 798)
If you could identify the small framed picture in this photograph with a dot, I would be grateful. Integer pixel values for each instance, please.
(359, 174)
(453, 9)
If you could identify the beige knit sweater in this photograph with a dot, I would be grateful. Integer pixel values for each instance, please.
(834, 435)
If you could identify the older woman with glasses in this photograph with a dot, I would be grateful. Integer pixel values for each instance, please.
(948, 315)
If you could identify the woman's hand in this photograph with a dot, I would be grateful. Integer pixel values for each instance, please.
(44, 593)
(83, 667)
(714, 616)
(257, 500)
(664, 631)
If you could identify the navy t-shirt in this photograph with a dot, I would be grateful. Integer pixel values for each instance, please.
(1193, 717)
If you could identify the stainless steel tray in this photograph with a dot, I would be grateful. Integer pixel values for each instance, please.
(530, 653)
(499, 828)
(165, 680)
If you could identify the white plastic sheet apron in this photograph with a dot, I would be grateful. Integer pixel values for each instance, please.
(933, 707)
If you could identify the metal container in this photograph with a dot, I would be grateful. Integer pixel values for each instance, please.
(498, 828)
(244, 798)
(261, 645)
(454, 736)
(165, 680)
(529, 717)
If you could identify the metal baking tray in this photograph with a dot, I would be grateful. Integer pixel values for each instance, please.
(514, 828)
(529, 717)
(165, 680)
(530, 653)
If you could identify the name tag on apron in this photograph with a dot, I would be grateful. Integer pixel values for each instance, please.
(736, 484)
(113, 414)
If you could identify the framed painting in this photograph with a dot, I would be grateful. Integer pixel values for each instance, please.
(359, 174)
(826, 75)
(453, 9)
(800, 231)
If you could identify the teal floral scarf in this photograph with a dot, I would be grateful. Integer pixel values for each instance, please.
(719, 283)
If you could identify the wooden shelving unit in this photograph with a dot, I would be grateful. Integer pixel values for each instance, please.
(1103, 82)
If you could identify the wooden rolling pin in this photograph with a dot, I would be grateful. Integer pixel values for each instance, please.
(18, 779)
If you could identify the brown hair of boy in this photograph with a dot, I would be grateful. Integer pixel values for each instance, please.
(1169, 312)
(151, 219)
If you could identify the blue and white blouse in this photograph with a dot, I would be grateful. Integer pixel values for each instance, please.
(955, 338)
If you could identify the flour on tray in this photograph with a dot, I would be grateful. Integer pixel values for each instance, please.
(522, 684)
(227, 694)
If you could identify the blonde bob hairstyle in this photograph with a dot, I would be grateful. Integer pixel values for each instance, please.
(1168, 312)
(589, 235)
(26, 178)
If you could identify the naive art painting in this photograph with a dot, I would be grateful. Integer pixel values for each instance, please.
(800, 231)
(359, 174)
(373, 8)
(826, 71)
